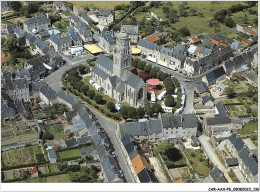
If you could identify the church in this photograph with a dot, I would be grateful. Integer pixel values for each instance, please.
(115, 76)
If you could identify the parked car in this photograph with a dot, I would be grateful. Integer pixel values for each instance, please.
(121, 172)
(113, 154)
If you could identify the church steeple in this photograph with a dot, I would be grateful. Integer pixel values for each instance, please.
(121, 58)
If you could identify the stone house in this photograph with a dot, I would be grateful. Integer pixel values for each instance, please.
(132, 32)
(106, 16)
(76, 40)
(47, 95)
(52, 156)
(191, 67)
(39, 23)
(202, 89)
(60, 43)
(66, 99)
(213, 76)
(107, 41)
(84, 32)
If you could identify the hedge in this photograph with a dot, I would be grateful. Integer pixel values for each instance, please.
(25, 165)
(164, 170)
(68, 159)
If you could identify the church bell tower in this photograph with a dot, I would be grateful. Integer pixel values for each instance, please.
(121, 57)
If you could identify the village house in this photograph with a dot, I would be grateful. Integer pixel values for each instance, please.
(77, 10)
(105, 16)
(213, 76)
(218, 39)
(74, 20)
(52, 156)
(59, 6)
(202, 89)
(47, 95)
(66, 99)
(223, 124)
(107, 41)
(37, 23)
(60, 43)
(84, 32)
(8, 108)
(216, 176)
(76, 40)
(132, 32)
(4, 6)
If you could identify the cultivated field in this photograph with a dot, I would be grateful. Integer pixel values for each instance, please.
(100, 4)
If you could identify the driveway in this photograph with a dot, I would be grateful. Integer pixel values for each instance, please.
(158, 170)
(205, 141)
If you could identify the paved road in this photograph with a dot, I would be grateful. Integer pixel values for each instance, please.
(239, 175)
(53, 80)
(204, 140)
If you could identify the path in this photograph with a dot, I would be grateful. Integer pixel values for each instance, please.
(158, 170)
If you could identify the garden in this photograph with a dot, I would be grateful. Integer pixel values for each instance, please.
(249, 128)
(74, 153)
(198, 162)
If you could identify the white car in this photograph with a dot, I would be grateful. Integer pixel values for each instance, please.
(121, 172)
(113, 153)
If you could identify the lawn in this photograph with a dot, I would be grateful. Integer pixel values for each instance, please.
(37, 149)
(197, 24)
(50, 168)
(7, 135)
(100, 4)
(69, 154)
(248, 128)
(63, 178)
(23, 133)
(199, 167)
(39, 114)
(62, 26)
(240, 19)
(56, 131)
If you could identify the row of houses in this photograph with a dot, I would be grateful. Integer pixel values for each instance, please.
(242, 157)
(166, 127)
(83, 125)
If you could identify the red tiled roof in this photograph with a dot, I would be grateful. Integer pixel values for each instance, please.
(246, 41)
(34, 170)
(4, 58)
(153, 38)
(62, 117)
(246, 29)
(195, 39)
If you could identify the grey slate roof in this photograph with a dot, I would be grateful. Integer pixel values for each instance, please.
(145, 176)
(249, 161)
(221, 109)
(253, 77)
(130, 29)
(74, 35)
(83, 29)
(217, 176)
(117, 84)
(133, 154)
(101, 151)
(213, 75)
(105, 62)
(206, 99)
(52, 153)
(204, 51)
(68, 98)
(105, 12)
(100, 72)
(207, 43)
(134, 128)
(71, 143)
(232, 162)
(171, 121)
(10, 28)
(110, 168)
(47, 92)
(131, 79)
(239, 144)
(37, 19)
(55, 39)
(126, 139)
(108, 36)
(189, 120)
(229, 64)
(154, 126)
(85, 16)
(130, 147)
(19, 32)
(218, 120)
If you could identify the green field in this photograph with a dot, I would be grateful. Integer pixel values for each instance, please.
(100, 4)
(56, 131)
(7, 135)
(248, 128)
(69, 154)
(239, 17)
(198, 166)
(63, 178)
(197, 24)
(23, 133)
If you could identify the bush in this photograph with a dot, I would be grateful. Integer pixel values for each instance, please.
(140, 112)
(91, 94)
(169, 101)
(184, 31)
(111, 106)
(156, 108)
(98, 98)
(154, 71)
(193, 154)
(229, 22)
(47, 136)
(40, 157)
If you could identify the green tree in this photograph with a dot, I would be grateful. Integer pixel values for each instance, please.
(12, 60)
(157, 108)
(230, 92)
(140, 112)
(229, 22)
(154, 71)
(148, 68)
(149, 110)
(15, 5)
(40, 157)
(47, 136)
(84, 89)
(111, 106)
(131, 112)
(169, 101)
(124, 112)
(141, 65)
(184, 31)
(91, 94)
(161, 75)
(98, 98)
(78, 85)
